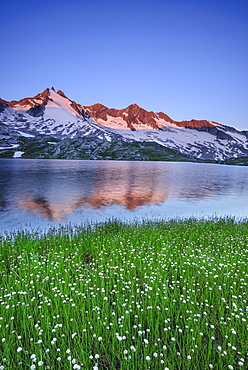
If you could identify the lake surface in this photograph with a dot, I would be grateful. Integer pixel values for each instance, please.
(38, 194)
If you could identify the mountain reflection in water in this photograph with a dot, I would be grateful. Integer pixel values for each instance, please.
(58, 190)
(64, 203)
(129, 185)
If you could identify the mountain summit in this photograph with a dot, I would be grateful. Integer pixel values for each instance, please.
(133, 117)
(53, 114)
(136, 118)
(49, 98)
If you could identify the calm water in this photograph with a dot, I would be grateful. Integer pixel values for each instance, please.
(44, 193)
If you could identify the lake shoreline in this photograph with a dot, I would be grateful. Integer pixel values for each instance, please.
(160, 295)
(41, 193)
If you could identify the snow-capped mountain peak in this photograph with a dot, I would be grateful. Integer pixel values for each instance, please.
(27, 103)
(135, 118)
(52, 113)
(49, 112)
(49, 98)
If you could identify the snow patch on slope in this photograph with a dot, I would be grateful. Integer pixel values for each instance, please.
(161, 123)
(24, 134)
(18, 154)
(58, 101)
(57, 114)
(113, 122)
(187, 141)
(19, 107)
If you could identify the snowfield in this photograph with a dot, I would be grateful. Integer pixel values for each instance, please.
(62, 118)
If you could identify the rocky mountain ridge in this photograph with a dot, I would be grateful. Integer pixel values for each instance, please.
(53, 118)
(134, 117)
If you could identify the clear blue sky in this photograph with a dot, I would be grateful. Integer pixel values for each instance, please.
(187, 58)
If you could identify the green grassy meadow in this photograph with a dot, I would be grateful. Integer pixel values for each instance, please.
(165, 295)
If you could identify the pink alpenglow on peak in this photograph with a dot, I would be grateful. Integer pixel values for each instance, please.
(132, 117)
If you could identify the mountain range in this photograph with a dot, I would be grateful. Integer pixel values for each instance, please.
(50, 125)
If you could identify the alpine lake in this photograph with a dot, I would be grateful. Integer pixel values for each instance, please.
(39, 194)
